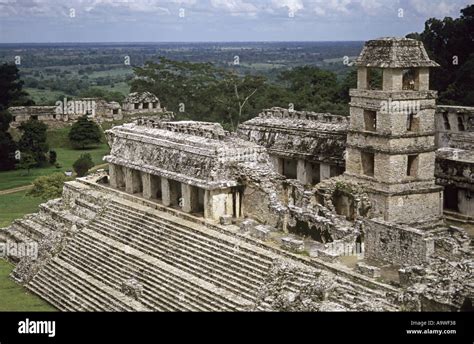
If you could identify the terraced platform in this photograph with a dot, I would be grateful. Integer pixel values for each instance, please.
(119, 255)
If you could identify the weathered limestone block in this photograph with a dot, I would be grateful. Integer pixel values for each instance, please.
(396, 244)
(225, 220)
(368, 270)
(327, 255)
(261, 231)
(247, 225)
(132, 288)
(292, 244)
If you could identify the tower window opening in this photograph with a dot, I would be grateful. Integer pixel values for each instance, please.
(461, 124)
(447, 126)
(370, 120)
(412, 165)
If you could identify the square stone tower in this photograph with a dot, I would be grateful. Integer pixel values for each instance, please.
(391, 140)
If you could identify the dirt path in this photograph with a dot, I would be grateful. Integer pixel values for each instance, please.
(17, 189)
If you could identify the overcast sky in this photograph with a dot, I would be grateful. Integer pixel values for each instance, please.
(215, 20)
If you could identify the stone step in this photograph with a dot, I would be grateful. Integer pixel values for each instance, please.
(32, 229)
(16, 235)
(118, 274)
(65, 287)
(39, 287)
(73, 259)
(167, 253)
(99, 296)
(181, 239)
(247, 256)
(200, 229)
(161, 272)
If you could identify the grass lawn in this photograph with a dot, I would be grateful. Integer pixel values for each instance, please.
(58, 141)
(15, 205)
(45, 97)
(14, 297)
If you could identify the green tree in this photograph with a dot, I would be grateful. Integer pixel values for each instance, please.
(7, 145)
(95, 92)
(48, 187)
(82, 165)
(11, 87)
(450, 43)
(53, 157)
(84, 133)
(27, 162)
(34, 140)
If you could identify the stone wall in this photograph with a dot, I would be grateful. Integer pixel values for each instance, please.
(396, 244)
(455, 127)
(303, 135)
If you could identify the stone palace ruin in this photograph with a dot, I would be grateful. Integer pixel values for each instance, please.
(67, 111)
(295, 211)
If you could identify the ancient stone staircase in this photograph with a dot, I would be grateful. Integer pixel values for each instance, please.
(178, 264)
(181, 266)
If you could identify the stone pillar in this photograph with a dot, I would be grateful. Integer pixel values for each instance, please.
(133, 182)
(216, 204)
(278, 164)
(165, 192)
(113, 175)
(362, 78)
(116, 177)
(392, 79)
(423, 79)
(151, 185)
(304, 171)
(237, 203)
(324, 171)
(190, 196)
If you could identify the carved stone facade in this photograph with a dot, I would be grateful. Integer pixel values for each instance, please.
(303, 145)
(455, 160)
(183, 164)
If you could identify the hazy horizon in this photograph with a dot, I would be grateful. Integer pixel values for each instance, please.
(215, 21)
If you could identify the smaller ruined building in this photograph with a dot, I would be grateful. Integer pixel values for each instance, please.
(455, 160)
(303, 145)
(69, 110)
(142, 102)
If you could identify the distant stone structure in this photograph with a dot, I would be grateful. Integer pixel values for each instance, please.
(67, 111)
(455, 160)
(191, 217)
(46, 114)
(141, 102)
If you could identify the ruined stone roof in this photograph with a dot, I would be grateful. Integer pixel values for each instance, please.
(141, 97)
(390, 52)
(318, 137)
(32, 110)
(196, 153)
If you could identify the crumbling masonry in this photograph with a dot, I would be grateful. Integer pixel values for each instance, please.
(296, 211)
